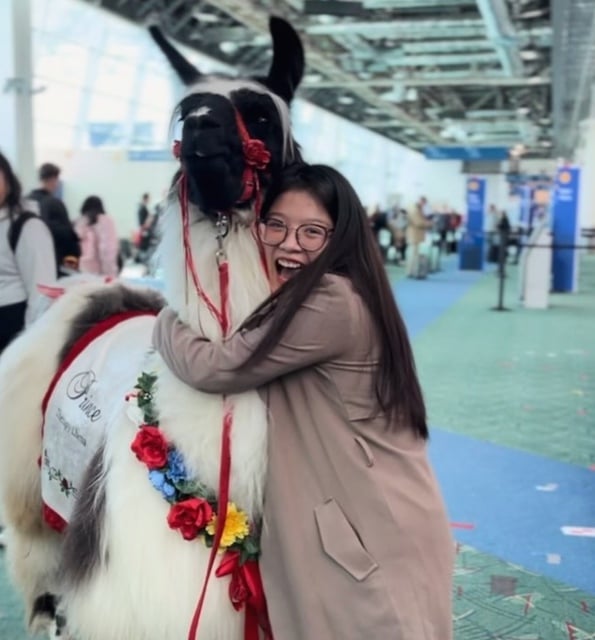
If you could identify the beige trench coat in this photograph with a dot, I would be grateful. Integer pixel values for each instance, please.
(418, 225)
(355, 543)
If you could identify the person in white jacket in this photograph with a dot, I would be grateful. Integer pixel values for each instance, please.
(27, 257)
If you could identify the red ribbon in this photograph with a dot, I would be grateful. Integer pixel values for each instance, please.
(246, 590)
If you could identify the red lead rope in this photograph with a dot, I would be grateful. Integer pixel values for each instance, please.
(222, 316)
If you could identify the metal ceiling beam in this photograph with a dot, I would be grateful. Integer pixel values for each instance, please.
(477, 44)
(433, 80)
(439, 60)
(384, 29)
(246, 12)
(501, 33)
(414, 4)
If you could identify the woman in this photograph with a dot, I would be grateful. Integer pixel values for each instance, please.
(355, 539)
(99, 239)
(27, 257)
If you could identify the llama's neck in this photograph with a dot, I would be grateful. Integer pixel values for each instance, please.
(248, 285)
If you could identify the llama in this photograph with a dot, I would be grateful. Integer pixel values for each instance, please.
(122, 569)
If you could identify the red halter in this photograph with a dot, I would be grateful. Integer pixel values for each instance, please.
(256, 158)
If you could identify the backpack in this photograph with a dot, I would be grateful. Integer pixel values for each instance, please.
(16, 226)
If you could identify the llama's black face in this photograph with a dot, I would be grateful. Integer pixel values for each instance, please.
(211, 145)
(211, 150)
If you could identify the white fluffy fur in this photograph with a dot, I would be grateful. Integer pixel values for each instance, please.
(152, 570)
(148, 588)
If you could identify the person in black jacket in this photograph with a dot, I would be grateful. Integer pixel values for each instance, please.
(53, 211)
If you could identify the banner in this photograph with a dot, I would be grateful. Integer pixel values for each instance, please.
(565, 229)
(82, 405)
(471, 244)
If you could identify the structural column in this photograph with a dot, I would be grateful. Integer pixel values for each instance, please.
(587, 164)
(16, 87)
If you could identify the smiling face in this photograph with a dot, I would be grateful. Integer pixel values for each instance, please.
(306, 225)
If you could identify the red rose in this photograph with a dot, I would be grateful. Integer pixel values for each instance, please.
(150, 447)
(190, 517)
(256, 154)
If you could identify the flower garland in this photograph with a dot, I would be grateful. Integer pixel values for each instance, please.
(193, 510)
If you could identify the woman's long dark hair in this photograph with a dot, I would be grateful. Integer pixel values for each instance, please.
(351, 252)
(92, 208)
(13, 197)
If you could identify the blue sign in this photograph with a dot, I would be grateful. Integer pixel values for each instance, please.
(471, 244)
(565, 229)
(466, 153)
(150, 155)
(102, 134)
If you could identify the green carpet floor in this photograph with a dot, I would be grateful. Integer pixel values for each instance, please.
(523, 379)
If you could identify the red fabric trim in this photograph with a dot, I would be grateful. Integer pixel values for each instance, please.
(54, 520)
(84, 341)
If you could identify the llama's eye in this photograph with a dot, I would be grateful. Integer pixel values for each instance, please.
(262, 120)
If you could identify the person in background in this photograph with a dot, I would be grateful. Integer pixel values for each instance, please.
(418, 224)
(143, 211)
(26, 257)
(53, 211)
(398, 227)
(355, 539)
(99, 239)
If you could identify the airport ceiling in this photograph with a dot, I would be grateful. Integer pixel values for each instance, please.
(421, 72)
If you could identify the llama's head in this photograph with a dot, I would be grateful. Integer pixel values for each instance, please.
(222, 118)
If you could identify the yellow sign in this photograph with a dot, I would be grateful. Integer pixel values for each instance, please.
(565, 177)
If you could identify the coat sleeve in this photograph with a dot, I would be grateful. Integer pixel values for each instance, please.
(320, 330)
(36, 262)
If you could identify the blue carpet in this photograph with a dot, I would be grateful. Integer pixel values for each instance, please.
(422, 301)
(496, 489)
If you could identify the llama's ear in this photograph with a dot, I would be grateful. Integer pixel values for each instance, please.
(287, 67)
(186, 71)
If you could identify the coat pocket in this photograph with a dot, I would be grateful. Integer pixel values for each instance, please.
(340, 541)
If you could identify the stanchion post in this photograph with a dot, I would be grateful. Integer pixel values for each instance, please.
(502, 252)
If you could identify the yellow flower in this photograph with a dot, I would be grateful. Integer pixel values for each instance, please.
(236, 527)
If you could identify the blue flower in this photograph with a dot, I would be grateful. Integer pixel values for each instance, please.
(159, 481)
(176, 471)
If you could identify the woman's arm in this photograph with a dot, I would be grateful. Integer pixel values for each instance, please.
(321, 329)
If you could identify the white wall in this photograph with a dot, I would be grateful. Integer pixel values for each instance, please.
(444, 184)
(111, 176)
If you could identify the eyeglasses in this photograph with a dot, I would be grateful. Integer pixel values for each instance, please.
(310, 236)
